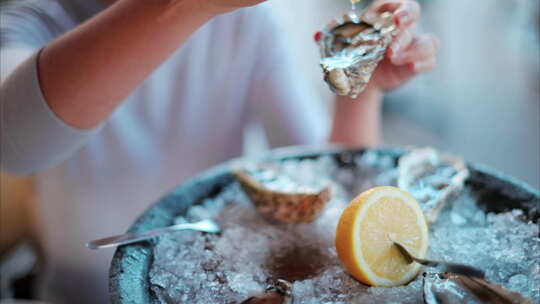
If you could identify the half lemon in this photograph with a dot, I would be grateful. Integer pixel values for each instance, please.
(367, 230)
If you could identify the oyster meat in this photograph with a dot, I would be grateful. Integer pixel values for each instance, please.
(445, 288)
(351, 48)
(278, 197)
(432, 178)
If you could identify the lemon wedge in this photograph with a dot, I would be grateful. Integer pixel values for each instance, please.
(367, 230)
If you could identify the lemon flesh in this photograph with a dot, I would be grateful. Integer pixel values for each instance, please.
(367, 229)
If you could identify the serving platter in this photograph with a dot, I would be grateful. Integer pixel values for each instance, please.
(130, 267)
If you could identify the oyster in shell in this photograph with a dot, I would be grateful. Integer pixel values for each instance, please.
(278, 197)
(445, 288)
(351, 48)
(279, 293)
(432, 178)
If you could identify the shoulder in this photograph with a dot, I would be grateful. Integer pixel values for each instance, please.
(33, 22)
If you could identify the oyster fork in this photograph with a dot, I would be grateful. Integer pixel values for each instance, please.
(209, 226)
(465, 270)
(228, 215)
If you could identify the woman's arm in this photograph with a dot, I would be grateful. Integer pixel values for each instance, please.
(87, 72)
(357, 122)
(47, 115)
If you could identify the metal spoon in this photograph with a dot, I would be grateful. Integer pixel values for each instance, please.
(204, 226)
(443, 266)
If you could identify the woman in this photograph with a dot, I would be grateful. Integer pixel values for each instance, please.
(112, 103)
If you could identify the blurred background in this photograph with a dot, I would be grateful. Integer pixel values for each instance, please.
(481, 102)
(483, 99)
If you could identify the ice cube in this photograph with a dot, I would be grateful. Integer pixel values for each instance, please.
(191, 267)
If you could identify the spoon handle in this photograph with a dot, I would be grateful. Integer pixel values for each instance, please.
(453, 268)
(129, 238)
(443, 266)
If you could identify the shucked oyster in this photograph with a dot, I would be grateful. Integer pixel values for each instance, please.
(445, 288)
(432, 178)
(276, 196)
(351, 48)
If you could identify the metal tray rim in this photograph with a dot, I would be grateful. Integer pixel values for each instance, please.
(128, 281)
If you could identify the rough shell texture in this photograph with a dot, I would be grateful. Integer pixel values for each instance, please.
(283, 206)
(433, 178)
(451, 288)
(269, 297)
(351, 48)
(279, 293)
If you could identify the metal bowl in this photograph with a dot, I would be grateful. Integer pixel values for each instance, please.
(128, 276)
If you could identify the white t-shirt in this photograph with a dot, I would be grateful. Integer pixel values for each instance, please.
(188, 115)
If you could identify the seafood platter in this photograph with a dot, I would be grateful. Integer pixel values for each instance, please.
(336, 225)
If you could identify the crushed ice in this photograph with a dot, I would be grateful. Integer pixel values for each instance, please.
(250, 254)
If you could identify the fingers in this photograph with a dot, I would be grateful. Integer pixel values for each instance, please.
(424, 66)
(409, 53)
(419, 57)
(421, 49)
(403, 73)
(397, 75)
(381, 6)
(406, 12)
(400, 43)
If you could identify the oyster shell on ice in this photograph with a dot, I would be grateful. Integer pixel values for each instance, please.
(278, 293)
(278, 197)
(351, 48)
(445, 288)
(433, 178)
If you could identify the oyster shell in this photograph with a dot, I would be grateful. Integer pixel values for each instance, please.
(432, 178)
(446, 288)
(278, 197)
(351, 48)
(278, 293)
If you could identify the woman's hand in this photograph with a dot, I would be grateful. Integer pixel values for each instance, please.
(215, 7)
(358, 123)
(409, 53)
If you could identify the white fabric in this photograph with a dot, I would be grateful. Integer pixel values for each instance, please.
(32, 136)
(187, 116)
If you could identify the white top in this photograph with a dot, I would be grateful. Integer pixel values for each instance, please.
(187, 116)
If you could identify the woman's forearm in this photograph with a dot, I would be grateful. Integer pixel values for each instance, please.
(357, 122)
(88, 71)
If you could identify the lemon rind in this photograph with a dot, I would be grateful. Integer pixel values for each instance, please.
(363, 270)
